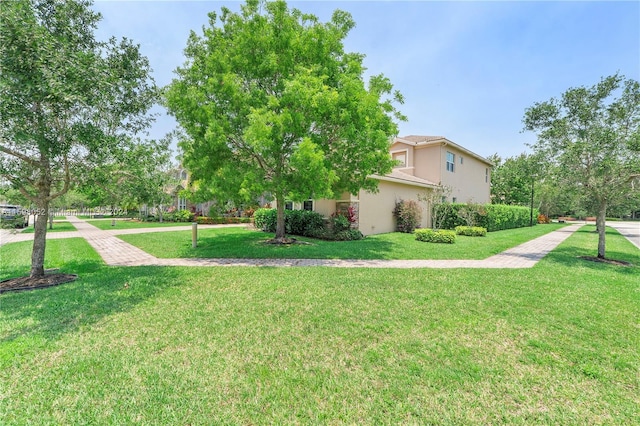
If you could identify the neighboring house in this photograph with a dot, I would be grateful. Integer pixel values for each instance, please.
(426, 163)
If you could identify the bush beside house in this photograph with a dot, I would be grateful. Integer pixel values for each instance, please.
(308, 223)
(493, 217)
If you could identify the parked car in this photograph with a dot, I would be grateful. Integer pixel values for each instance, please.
(13, 217)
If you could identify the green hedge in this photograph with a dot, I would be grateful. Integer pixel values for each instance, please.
(494, 217)
(471, 231)
(204, 220)
(435, 236)
(296, 222)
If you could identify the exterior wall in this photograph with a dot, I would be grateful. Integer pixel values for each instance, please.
(376, 210)
(428, 164)
(467, 181)
(325, 207)
(399, 147)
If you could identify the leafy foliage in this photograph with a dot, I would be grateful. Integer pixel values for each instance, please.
(408, 214)
(435, 236)
(297, 222)
(67, 100)
(494, 217)
(270, 103)
(591, 136)
(471, 231)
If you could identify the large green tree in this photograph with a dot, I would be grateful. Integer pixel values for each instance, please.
(66, 99)
(271, 103)
(592, 137)
(138, 172)
(512, 179)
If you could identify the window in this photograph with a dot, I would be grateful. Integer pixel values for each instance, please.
(486, 175)
(182, 203)
(307, 205)
(288, 205)
(401, 158)
(461, 160)
(451, 161)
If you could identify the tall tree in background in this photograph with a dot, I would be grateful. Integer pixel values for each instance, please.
(512, 178)
(592, 136)
(66, 99)
(137, 172)
(270, 102)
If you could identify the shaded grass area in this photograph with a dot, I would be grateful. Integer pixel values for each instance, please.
(554, 344)
(243, 243)
(57, 227)
(132, 224)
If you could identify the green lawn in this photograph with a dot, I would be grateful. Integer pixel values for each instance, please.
(243, 243)
(57, 227)
(554, 344)
(133, 224)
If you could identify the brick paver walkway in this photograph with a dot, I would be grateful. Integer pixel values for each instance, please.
(116, 252)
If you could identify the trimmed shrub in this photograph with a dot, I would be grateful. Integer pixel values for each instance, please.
(302, 222)
(348, 235)
(296, 222)
(204, 220)
(435, 236)
(177, 216)
(339, 223)
(265, 219)
(408, 215)
(494, 217)
(471, 231)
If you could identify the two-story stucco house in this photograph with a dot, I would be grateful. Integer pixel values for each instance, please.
(435, 158)
(425, 164)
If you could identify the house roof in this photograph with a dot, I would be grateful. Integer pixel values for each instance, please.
(400, 177)
(420, 141)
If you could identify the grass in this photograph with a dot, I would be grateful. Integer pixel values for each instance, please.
(554, 344)
(133, 224)
(243, 243)
(57, 227)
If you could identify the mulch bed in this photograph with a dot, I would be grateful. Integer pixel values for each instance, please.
(607, 261)
(284, 241)
(28, 283)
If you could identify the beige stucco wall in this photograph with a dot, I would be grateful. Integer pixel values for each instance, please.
(468, 179)
(399, 147)
(376, 210)
(427, 162)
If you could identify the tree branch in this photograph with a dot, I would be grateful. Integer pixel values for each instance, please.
(67, 180)
(19, 155)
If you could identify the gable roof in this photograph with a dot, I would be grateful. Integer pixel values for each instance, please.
(400, 177)
(420, 141)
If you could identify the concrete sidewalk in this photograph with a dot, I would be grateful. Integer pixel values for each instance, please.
(117, 252)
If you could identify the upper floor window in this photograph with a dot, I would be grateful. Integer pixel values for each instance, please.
(307, 205)
(486, 175)
(451, 161)
(288, 205)
(401, 158)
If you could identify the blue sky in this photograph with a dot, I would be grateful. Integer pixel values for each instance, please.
(468, 70)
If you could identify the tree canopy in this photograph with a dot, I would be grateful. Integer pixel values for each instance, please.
(66, 99)
(592, 137)
(271, 103)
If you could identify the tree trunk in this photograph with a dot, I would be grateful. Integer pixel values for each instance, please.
(39, 240)
(600, 225)
(280, 229)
